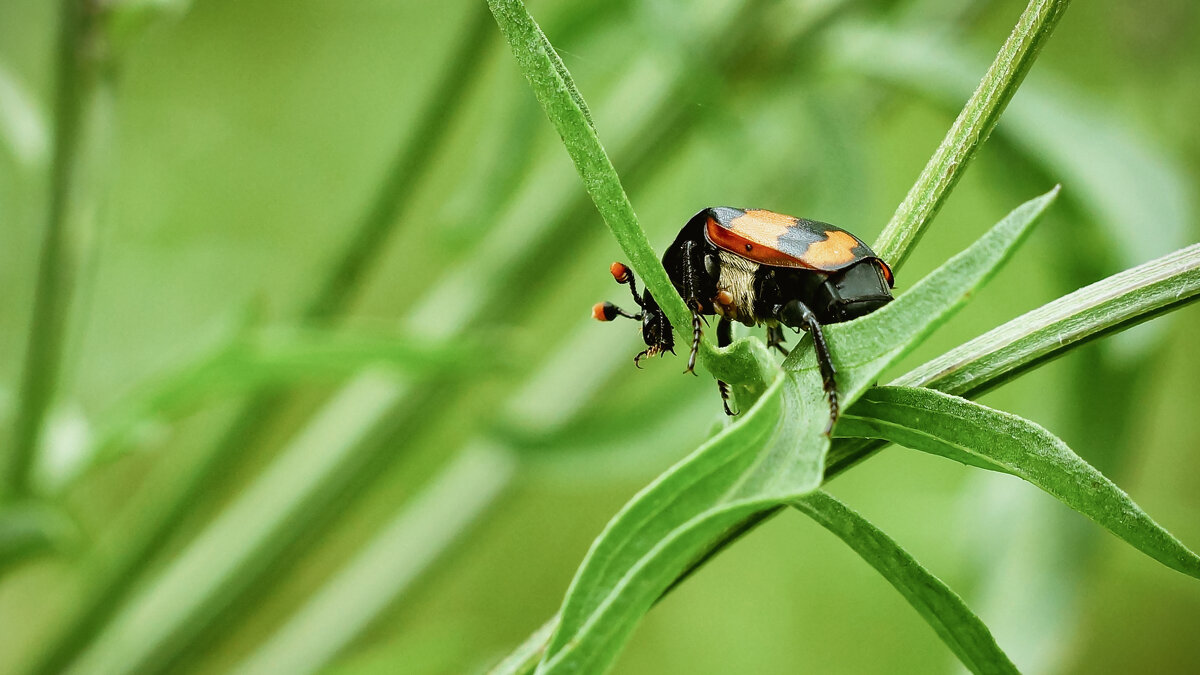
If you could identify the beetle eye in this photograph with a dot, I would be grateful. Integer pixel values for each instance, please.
(712, 265)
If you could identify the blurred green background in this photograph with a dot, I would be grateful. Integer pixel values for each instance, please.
(434, 512)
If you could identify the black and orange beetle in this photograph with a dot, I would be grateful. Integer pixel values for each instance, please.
(761, 267)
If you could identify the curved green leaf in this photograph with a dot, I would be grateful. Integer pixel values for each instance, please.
(942, 608)
(774, 453)
(967, 432)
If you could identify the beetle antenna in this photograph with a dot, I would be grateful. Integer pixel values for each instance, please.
(624, 275)
(606, 311)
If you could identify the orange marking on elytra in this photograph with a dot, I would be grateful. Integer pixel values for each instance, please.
(836, 250)
(762, 225)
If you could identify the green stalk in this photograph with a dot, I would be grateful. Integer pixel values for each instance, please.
(76, 76)
(969, 131)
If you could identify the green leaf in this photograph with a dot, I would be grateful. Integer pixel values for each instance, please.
(1126, 185)
(1113, 304)
(967, 432)
(743, 363)
(774, 453)
(1108, 306)
(941, 607)
(972, 127)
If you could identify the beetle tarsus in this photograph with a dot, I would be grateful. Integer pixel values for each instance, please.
(723, 387)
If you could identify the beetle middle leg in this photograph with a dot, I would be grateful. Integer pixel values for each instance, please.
(798, 315)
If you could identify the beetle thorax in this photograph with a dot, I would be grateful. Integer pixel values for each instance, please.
(737, 279)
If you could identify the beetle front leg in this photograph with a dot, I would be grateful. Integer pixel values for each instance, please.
(797, 315)
(694, 280)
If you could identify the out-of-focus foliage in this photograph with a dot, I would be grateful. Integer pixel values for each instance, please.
(427, 521)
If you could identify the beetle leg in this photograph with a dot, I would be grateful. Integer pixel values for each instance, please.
(724, 338)
(797, 314)
(693, 268)
(775, 339)
(697, 331)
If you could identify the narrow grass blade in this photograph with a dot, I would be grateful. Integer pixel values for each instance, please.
(967, 432)
(970, 130)
(942, 608)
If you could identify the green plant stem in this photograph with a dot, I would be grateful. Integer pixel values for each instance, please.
(969, 131)
(77, 73)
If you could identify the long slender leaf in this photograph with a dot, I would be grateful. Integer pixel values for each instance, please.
(774, 453)
(967, 432)
(942, 608)
(1119, 179)
(972, 127)
(1107, 306)
(560, 99)
(1042, 335)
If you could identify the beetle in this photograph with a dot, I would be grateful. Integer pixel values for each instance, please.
(760, 267)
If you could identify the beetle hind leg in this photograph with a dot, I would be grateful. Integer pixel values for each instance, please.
(797, 314)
